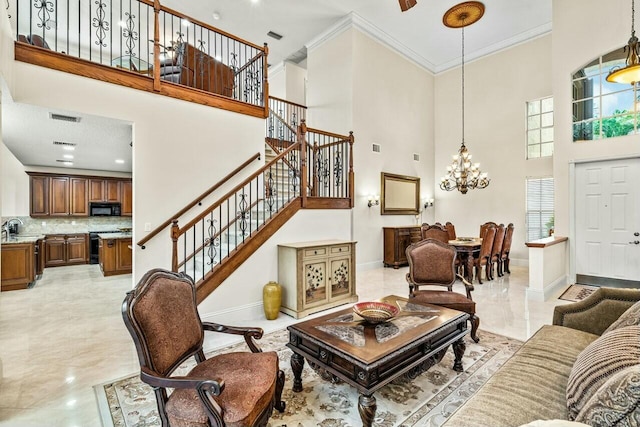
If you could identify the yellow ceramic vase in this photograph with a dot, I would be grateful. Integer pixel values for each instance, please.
(271, 300)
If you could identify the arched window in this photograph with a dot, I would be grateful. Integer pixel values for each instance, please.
(602, 109)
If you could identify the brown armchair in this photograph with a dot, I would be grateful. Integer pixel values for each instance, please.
(484, 227)
(232, 389)
(432, 263)
(451, 229)
(435, 231)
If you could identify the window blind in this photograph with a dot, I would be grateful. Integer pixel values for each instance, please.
(540, 210)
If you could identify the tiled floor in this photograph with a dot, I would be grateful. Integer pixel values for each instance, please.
(66, 335)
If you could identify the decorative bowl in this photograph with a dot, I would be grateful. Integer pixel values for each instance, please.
(375, 312)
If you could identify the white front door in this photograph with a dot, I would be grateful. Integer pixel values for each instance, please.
(608, 219)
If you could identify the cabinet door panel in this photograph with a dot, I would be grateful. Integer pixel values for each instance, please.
(111, 191)
(55, 251)
(59, 195)
(96, 190)
(340, 276)
(39, 196)
(123, 257)
(17, 265)
(78, 198)
(108, 256)
(315, 283)
(126, 193)
(76, 249)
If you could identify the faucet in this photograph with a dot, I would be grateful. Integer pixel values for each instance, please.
(8, 225)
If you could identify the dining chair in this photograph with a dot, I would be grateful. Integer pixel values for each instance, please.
(506, 249)
(451, 229)
(484, 257)
(228, 389)
(484, 227)
(435, 231)
(432, 263)
(496, 250)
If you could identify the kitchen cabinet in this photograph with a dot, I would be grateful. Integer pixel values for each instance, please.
(39, 200)
(115, 256)
(69, 195)
(126, 194)
(18, 269)
(316, 276)
(396, 241)
(65, 249)
(104, 190)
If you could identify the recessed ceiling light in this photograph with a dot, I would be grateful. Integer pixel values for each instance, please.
(68, 156)
(67, 163)
(68, 148)
(119, 161)
(216, 15)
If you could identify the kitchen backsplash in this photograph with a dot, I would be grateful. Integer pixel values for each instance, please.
(70, 225)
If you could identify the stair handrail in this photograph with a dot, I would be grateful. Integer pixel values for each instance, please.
(197, 200)
(230, 193)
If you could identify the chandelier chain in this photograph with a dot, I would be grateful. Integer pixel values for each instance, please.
(463, 82)
(633, 17)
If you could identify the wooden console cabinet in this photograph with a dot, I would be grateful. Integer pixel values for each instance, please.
(316, 276)
(396, 241)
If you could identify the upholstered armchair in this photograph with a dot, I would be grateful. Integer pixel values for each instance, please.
(432, 263)
(496, 250)
(229, 389)
(484, 257)
(451, 229)
(485, 226)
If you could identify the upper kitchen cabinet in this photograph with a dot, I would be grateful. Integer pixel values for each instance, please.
(126, 192)
(68, 196)
(104, 190)
(39, 192)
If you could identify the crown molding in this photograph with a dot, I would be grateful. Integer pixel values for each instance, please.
(523, 37)
(353, 20)
(277, 68)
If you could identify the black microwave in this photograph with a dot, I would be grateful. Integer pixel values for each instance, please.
(104, 209)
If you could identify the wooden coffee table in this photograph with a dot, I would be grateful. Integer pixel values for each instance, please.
(369, 356)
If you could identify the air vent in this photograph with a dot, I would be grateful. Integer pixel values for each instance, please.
(65, 144)
(274, 35)
(416, 157)
(376, 148)
(64, 118)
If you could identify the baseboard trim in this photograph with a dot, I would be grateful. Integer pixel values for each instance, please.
(520, 262)
(235, 315)
(606, 281)
(548, 291)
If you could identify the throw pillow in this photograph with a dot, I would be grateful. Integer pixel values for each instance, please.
(610, 353)
(616, 403)
(628, 318)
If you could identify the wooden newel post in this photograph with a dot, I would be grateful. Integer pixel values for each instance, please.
(265, 81)
(175, 233)
(314, 167)
(156, 46)
(351, 174)
(302, 130)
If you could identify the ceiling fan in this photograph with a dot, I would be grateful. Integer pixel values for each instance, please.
(407, 4)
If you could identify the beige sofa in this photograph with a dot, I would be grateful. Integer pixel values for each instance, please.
(532, 385)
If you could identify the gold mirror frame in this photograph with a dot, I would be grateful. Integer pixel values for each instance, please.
(400, 195)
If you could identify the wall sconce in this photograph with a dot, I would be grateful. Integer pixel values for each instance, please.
(373, 200)
(428, 203)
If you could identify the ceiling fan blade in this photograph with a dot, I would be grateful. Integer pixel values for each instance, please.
(407, 4)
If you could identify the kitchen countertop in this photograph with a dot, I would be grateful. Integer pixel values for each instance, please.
(21, 238)
(117, 235)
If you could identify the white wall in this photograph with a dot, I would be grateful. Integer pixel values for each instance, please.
(355, 83)
(603, 27)
(296, 83)
(497, 88)
(15, 185)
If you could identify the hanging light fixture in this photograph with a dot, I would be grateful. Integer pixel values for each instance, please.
(630, 73)
(462, 174)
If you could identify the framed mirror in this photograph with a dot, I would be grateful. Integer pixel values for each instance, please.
(400, 195)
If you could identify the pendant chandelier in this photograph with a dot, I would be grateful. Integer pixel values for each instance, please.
(462, 174)
(630, 73)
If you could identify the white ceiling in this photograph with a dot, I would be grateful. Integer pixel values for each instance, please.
(29, 133)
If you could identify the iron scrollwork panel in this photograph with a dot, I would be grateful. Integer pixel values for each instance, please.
(101, 24)
(45, 9)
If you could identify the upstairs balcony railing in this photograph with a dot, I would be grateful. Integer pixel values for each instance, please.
(282, 123)
(161, 46)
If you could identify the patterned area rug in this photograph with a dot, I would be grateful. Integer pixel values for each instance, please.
(577, 292)
(426, 401)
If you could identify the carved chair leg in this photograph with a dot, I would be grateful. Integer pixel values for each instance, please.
(475, 323)
(280, 405)
(506, 266)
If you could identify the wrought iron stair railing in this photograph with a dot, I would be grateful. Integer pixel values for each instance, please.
(282, 123)
(142, 44)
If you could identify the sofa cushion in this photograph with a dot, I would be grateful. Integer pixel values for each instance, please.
(554, 423)
(616, 403)
(610, 353)
(531, 385)
(630, 317)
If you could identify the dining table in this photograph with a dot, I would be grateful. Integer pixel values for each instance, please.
(467, 248)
